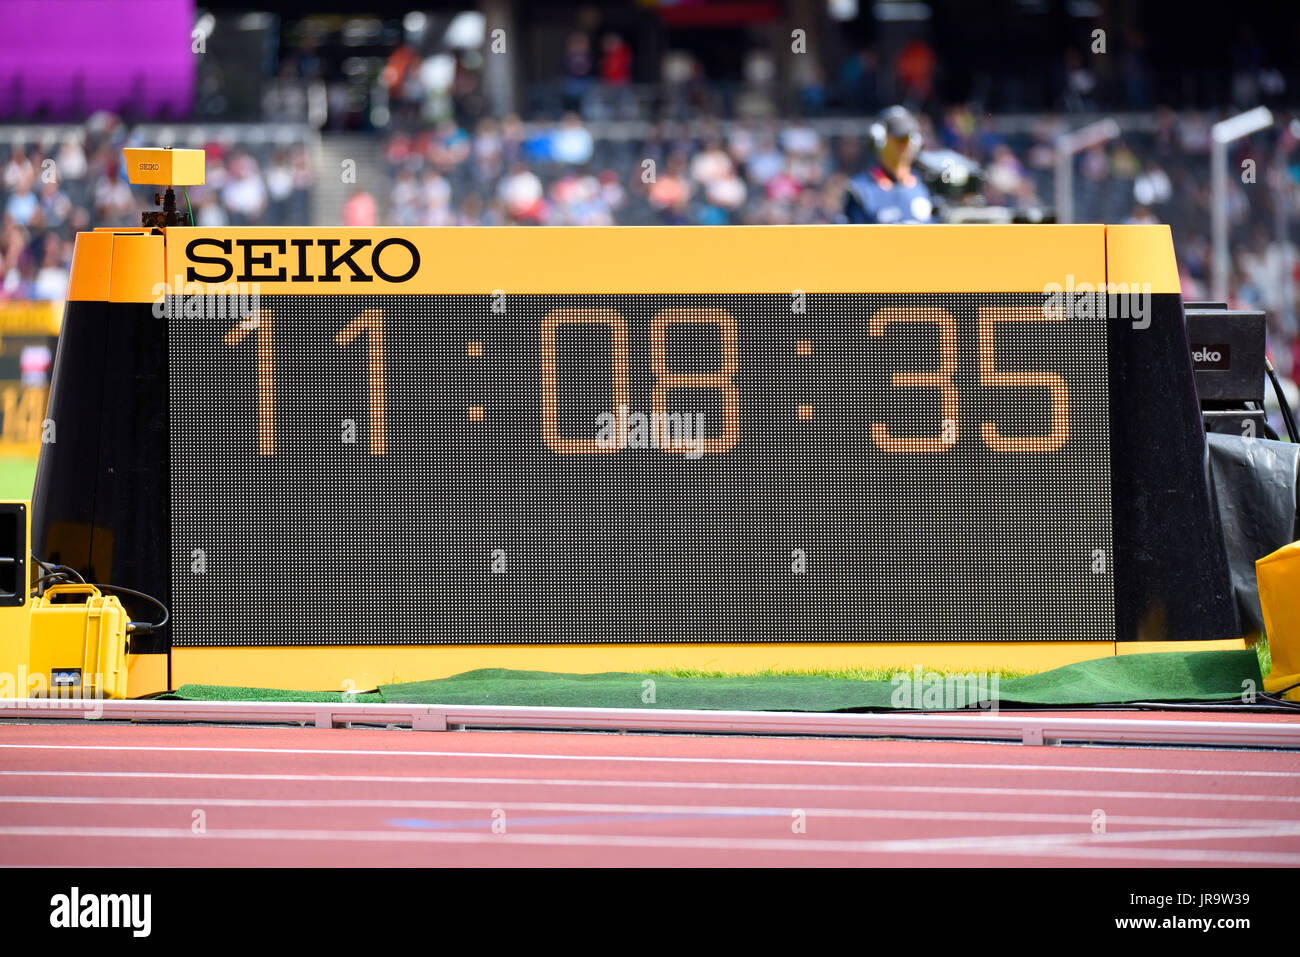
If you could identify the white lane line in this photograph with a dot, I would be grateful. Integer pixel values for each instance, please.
(736, 810)
(1185, 856)
(1048, 845)
(1248, 832)
(673, 759)
(674, 785)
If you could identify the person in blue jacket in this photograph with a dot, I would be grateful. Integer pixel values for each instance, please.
(889, 192)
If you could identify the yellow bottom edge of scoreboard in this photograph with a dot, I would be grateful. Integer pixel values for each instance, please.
(320, 668)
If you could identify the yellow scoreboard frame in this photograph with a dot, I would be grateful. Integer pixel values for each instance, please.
(138, 267)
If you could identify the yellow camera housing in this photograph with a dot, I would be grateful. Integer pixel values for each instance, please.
(165, 167)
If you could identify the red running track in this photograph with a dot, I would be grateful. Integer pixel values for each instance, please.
(160, 795)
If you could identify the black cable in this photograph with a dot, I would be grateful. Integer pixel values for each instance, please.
(1282, 691)
(49, 567)
(140, 627)
(1281, 704)
(56, 577)
(70, 570)
(62, 573)
(59, 573)
(1287, 415)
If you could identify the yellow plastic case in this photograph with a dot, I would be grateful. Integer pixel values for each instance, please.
(79, 646)
(1278, 576)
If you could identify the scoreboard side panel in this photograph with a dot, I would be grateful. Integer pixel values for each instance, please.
(1171, 567)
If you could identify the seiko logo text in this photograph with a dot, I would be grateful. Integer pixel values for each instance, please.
(148, 165)
(301, 260)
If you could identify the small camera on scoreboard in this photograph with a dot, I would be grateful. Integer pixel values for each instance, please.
(169, 168)
(1228, 364)
(1227, 347)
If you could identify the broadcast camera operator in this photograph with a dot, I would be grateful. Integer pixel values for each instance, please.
(890, 192)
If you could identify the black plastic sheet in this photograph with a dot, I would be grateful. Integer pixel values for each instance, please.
(1255, 482)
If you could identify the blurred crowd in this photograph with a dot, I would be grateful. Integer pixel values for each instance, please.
(604, 69)
(765, 172)
(705, 173)
(67, 180)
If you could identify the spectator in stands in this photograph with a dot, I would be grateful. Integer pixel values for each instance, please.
(914, 70)
(22, 206)
(401, 79)
(51, 282)
(244, 193)
(571, 143)
(56, 207)
(859, 82)
(210, 213)
(889, 192)
(20, 278)
(435, 206)
(765, 161)
(1141, 216)
(19, 169)
(1005, 177)
(360, 211)
(1152, 187)
(472, 212)
(113, 202)
(1137, 71)
(711, 164)
(577, 69)
(487, 151)
(523, 195)
(279, 189)
(303, 178)
(1080, 83)
(615, 61)
(71, 161)
(406, 200)
(670, 192)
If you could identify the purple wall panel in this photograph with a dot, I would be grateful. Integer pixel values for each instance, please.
(64, 59)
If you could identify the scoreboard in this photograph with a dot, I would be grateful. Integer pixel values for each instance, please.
(640, 468)
(681, 435)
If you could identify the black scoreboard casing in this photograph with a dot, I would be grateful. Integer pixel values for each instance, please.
(466, 525)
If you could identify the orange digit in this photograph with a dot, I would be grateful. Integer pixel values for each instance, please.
(618, 360)
(989, 376)
(940, 379)
(720, 380)
(371, 322)
(264, 326)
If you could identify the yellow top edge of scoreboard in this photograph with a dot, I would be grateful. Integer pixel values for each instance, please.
(629, 259)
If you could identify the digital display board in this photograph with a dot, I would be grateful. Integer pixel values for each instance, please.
(631, 467)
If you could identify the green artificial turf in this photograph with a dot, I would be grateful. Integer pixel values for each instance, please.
(224, 693)
(1121, 679)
